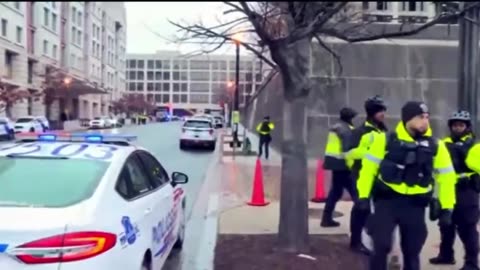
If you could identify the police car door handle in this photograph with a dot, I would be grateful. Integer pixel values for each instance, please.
(148, 211)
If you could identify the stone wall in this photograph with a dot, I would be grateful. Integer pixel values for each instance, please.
(399, 70)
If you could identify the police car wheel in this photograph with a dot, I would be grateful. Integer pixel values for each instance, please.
(181, 232)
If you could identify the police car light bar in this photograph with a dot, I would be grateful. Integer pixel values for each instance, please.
(75, 137)
(102, 138)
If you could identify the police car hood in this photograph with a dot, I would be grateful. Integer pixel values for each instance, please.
(403, 134)
(33, 218)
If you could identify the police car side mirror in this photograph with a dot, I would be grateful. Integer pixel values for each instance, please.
(179, 178)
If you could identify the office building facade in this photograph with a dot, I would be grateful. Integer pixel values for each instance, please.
(199, 82)
(80, 44)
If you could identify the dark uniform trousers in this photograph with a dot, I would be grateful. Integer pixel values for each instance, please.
(340, 180)
(358, 217)
(409, 215)
(264, 142)
(464, 220)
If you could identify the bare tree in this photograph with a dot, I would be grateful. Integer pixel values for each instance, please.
(287, 29)
(11, 95)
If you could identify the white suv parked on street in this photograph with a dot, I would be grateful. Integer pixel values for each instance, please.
(198, 132)
(101, 122)
(28, 124)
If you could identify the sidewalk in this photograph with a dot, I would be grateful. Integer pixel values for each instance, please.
(238, 218)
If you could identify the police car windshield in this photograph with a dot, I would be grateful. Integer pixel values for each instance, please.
(32, 182)
(197, 124)
(24, 120)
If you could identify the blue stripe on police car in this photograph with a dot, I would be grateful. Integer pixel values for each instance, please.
(3, 248)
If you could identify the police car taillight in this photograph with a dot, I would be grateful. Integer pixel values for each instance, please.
(211, 131)
(65, 247)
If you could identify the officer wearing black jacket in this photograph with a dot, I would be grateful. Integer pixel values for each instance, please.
(361, 139)
(337, 145)
(466, 212)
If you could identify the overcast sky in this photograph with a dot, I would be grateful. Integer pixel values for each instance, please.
(144, 15)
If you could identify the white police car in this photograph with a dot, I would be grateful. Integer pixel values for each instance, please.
(198, 131)
(87, 201)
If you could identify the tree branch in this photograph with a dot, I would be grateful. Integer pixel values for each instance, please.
(254, 19)
(338, 34)
(319, 20)
(201, 31)
(334, 54)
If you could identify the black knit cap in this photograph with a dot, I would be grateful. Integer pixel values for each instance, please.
(412, 109)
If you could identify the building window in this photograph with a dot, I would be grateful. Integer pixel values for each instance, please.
(150, 75)
(4, 27)
(45, 47)
(150, 64)
(93, 48)
(17, 5)
(19, 34)
(166, 98)
(158, 64)
(176, 98)
(141, 64)
(166, 76)
(30, 72)
(79, 18)
(184, 99)
(54, 5)
(54, 22)
(139, 86)
(74, 33)
(79, 38)
(74, 14)
(54, 51)
(382, 5)
(166, 87)
(45, 16)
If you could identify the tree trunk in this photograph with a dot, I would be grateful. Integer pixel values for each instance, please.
(293, 227)
(294, 62)
(8, 110)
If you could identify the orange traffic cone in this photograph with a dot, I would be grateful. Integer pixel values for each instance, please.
(258, 196)
(319, 186)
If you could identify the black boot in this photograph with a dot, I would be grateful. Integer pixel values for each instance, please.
(360, 248)
(442, 260)
(329, 223)
(469, 267)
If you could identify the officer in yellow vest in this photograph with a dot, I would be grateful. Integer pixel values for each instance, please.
(398, 173)
(465, 154)
(337, 145)
(264, 129)
(360, 141)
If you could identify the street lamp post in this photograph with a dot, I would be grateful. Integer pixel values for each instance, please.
(468, 63)
(237, 95)
(67, 81)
